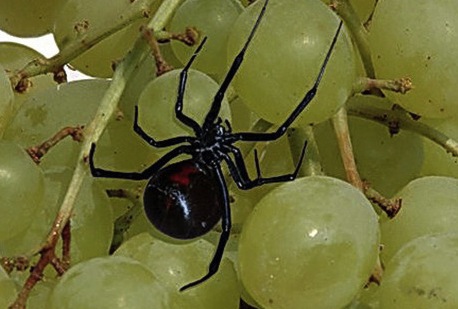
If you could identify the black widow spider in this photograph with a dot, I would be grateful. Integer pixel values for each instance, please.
(187, 199)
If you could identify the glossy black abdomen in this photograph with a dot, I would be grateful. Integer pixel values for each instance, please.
(183, 200)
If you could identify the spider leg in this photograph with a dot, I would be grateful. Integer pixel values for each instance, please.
(226, 230)
(216, 104)
(239, 173)
(258, 137)
(155, 143)
(181, 89)
(147, 173)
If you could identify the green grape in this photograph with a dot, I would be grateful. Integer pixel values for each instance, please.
(26, 18)
(46, 112)
(387, 161)
(420, 45)
(78, 18)
(109, 283)
(176, 265)
(213, 19)
(243, 118)
(21, 190)
(7, 289)
(92, 216)
(157, 103)
(285, 56)
(14, 57)
(121, 149)
(311, 243)
(422, 274)
(6, 100)
(39, 296)
(438, 162)
(428, 206)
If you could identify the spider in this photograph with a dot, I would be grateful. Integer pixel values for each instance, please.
(187, 199)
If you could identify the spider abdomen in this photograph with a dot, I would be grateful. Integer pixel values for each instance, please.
(183, 200)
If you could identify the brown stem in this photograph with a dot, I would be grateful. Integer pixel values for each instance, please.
(19, 263)
(401, 85)
(66, 242)
(390, 206)
(189, 37)
(340, 123)
(47, 256)
(161, 65)
(37, 152)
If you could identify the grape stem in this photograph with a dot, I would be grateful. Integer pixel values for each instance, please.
(93, 132)
(47, 256)
(340, 124)
(138, 10)
(37, 152)
(389, 206)
(189, 37)
(397, 118)
(161, 65)
(400, 85)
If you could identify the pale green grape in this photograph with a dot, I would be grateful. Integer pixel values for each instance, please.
(284, 59)
(422, 275)
(14, 57)
(7, 289)
(437, 160)
(121, 149)
(46, 112)
(428, 206)
(176, 265)
(78, 18)
(26, 18)
(157, 103)
(6, 100)
(243, 118)
(109, 283)
(21, 190)
(213, 19)
(417, 39)
(311, 243)
(92, 216)
(387, 161)
(39, 296)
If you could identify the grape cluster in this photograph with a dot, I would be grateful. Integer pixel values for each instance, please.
(321, 241)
